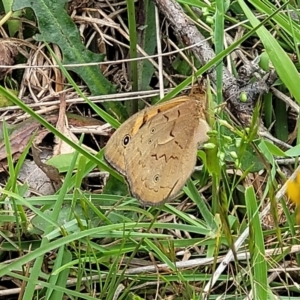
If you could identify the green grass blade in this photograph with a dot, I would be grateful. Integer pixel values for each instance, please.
(258, 258)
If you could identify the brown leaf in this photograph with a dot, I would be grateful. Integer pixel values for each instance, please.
(50, 171)
(19, 136)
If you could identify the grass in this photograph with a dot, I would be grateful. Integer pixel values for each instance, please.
(230, 234)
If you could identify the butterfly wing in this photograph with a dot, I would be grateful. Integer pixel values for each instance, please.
(116, 148)
(163, 152)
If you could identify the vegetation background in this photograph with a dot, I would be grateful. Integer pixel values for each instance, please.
(71, 70)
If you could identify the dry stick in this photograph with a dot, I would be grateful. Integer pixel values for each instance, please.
(127, 96)
(159, 51)
(190, 35)
(287, 100)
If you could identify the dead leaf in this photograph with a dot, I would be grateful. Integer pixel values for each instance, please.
(50, 171)
(19, 136)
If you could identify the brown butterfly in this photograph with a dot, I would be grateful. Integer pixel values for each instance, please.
(156, 149)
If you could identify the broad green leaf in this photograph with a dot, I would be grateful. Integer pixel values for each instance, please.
(274, 149)
(293, 152)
